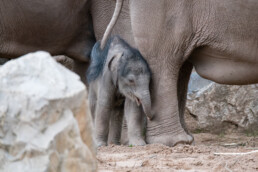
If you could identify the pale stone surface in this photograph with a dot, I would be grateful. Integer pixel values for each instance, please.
(41, 105)
(219, 107)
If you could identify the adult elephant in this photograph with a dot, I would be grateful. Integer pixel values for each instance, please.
(219, 38)
(61, 27)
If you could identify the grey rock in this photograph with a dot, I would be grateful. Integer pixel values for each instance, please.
(216, 107)
(197, 83)
(45, 124)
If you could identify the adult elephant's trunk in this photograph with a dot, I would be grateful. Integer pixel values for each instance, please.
(119, 4)
(145, 101)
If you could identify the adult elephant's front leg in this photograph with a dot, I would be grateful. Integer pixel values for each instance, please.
(164, 39)
(166, 127)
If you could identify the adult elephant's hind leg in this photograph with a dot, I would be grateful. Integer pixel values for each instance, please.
(3, 61)
(182, 85)
(80, 68)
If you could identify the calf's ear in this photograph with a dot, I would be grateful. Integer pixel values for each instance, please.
(113, 62)
(112, 66)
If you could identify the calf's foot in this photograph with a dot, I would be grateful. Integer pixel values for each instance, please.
(101, 143)
(137, 142)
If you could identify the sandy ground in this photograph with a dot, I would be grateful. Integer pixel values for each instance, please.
(200, 157)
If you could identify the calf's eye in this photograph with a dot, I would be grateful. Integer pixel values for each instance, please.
(131, 81)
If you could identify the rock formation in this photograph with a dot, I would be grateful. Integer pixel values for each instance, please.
(45, 124)
(217, 107)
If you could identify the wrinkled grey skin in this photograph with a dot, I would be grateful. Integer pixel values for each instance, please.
(219, 38)
(59, 27)
(123, 82)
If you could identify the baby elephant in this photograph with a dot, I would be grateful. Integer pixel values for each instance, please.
(118, 79)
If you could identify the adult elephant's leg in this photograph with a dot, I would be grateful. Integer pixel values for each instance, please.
(166, 127)
(165, 40)
(65, 61)
(80, 68)
(182, 85)
(3, 61)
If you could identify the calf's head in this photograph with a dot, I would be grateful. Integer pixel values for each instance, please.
(131, 74)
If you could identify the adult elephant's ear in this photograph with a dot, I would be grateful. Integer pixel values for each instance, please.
(113, 66)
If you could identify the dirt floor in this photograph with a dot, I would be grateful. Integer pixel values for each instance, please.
(201, 157)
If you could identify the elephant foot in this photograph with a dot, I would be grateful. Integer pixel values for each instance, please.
(171, 139)
(101, 143)
(114, 142)
(137, 142)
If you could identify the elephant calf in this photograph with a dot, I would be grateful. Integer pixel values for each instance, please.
(118, 78)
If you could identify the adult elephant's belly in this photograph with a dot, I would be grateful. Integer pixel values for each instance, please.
(225, 68)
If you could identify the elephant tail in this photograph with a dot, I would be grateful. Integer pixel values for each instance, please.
(119, 4)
